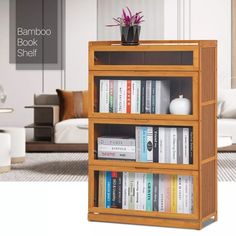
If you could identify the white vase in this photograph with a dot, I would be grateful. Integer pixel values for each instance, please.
(180, 106)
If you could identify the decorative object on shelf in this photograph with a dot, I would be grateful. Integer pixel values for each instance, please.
(129, 27)
(3, 96)
(180, 106)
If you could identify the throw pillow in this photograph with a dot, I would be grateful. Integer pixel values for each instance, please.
(219, 108)
(73, 104)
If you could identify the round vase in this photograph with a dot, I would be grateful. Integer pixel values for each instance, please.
(180, 106)
(130, 35)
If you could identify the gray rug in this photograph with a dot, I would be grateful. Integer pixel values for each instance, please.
(73, 167)
(50, 167)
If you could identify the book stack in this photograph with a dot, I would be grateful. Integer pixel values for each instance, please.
(119, 148)
(146, 192)
(134, 96)
(151, 144)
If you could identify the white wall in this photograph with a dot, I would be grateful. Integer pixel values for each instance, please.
(151, 28)
(81, 26)
(211, 19)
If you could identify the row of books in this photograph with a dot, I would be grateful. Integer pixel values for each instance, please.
(151, 144)
(146, 192)
(134, 96)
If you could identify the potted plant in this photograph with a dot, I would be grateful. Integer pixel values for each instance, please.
(129, 27)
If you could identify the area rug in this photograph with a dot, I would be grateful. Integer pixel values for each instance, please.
(50, 167)
(74, 167)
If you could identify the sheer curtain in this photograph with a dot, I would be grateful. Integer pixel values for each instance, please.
(233, 43)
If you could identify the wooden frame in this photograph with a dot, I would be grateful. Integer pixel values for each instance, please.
(203, 120)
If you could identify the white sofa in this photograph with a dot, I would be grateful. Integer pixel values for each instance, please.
(227, 113)
(70, 131)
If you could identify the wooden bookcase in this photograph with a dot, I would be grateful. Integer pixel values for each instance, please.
(191, 66)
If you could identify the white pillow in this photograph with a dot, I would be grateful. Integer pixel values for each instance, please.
(219, 108)
(228, 109)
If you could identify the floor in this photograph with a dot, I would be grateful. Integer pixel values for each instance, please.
(61, 209)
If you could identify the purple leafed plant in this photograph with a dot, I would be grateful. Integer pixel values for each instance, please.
(128, 18)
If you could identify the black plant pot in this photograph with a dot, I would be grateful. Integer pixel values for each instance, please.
(130, 35)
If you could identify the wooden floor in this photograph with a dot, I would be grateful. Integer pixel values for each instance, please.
(55, 147)
(231, 148)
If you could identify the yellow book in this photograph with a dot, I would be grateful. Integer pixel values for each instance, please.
(101, 189)
(173, 202)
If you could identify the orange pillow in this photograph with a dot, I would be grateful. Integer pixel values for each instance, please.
(73, 104)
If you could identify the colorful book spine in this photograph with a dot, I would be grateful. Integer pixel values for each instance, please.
(167, 193)
(128, 99)
(155, 192)
(119, 96)
(113, 189)
(149, 194)
(155, 144)
(143, 96)
(124, 96)
(111, 95)
(173, 193)
(149, 144)
(101, 189)
(143, 156)
(108, 189)
(118, 202)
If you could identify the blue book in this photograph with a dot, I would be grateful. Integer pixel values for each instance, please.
(149, 194)
(143, 156)
(108, 189)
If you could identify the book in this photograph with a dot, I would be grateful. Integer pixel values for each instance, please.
(149, 143)
(167, 146)
(124, 96)
(148, 96)
(113, 189)
(161, 193)
(164, 96)
(138, 180)
(173, 193)
(179, 145)
(153, 97)
(120, 94)
(143, 96)
(101, 189)
(125, 186)
(104, 96)
(155, 192)
(116, 199)
(180, 194)
(137, 143)
(111, 96)
(131, 191)
(108, 189)
(161, 145)
(185, 145)
(173, 145)
(155, 144)
(190, 146)
(128, 99)
(149, 194)
(143, 149)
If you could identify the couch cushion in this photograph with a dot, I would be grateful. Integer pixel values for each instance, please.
(73, 104)
(227, 128)
(72, 131)
(228, 97)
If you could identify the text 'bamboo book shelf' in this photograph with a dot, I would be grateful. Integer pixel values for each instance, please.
(147, 166)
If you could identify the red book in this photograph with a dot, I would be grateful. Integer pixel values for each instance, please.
(128, 96)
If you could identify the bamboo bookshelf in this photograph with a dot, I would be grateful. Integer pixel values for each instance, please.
(189, 63)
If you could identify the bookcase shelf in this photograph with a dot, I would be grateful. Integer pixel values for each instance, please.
(190, 69)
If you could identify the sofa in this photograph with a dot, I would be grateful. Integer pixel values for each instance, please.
(68, 128)
(227, 115)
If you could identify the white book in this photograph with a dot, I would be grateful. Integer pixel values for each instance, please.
(185, 145)
(173, 145)
(149, 144)
(115, 96)
(186, 193)
(137, 143)
(138, 100)
(133, 96)
(191, 194)
(167, 147)
(124, 97)
(161, 145)
(125, 184)
(180, 195)
(104, 96)
(148, 96)
(137, 182)
(158, 97)
(161, 193)
(115, 148)
(119, 96)
(143, 192)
